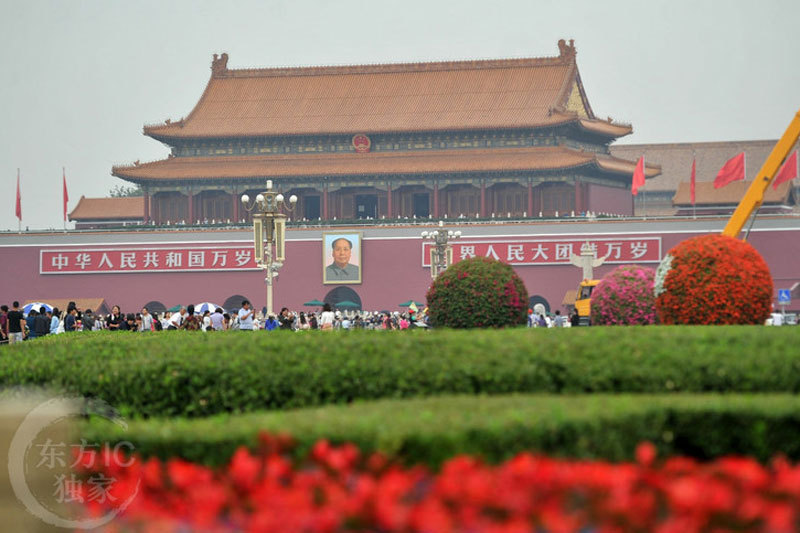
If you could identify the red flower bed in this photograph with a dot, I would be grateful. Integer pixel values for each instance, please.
(713, 279)
(337, 489)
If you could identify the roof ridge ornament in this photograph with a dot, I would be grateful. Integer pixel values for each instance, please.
(219, 65)
(566, 51)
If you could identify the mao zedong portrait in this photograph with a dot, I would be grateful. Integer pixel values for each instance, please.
(341, 269)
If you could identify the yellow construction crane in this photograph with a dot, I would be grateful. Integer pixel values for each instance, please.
(755, 193)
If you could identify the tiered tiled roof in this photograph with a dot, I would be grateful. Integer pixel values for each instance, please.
(124, 208)
(414, 97)
(731, 194)
(675, 159)
(376, 163)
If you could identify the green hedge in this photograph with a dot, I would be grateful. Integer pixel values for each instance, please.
(198, 374)
(432, 430)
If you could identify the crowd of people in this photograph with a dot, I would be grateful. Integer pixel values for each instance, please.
(16, 326)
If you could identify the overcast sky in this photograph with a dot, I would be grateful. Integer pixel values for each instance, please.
(80, 78)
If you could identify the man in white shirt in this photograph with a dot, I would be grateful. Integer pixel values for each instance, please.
(246, 316)
(176, 319)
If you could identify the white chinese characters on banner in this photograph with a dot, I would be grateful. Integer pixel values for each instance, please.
(92, 261)
(554, 252)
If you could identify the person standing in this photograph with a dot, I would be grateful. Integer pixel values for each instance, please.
(558, 321)
(16, 324)
(574, 319)
(246, 316)
(42, 323)
(217, 320)
(147, 320)
(30, 323)
(115, 319)
(87, 320)
(327, 317)
(55, 315)
(303, 322)
(192, 322)
(3, 324)
(71, 320)
(286, 319)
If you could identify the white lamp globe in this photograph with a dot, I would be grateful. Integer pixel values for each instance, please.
(245, 198)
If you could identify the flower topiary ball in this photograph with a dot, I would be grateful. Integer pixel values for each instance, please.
(624, 297)
(713, 279)
(478, 292)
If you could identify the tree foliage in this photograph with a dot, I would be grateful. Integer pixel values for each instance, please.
(478, 292)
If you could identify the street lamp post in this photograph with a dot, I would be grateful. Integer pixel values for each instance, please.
(269, 232)
(442, 250)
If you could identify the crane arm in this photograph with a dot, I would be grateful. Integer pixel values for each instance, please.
(755, 193)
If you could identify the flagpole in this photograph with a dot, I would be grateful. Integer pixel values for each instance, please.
(63, 196)
(694, 184)
(19, 218)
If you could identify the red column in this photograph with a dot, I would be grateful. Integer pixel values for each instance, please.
(155, 215)
(578, 196)
(435, 199)
(235, 206)
(191, 207)
(483, 199)
(146, 207)
(530, 199)
(389, 200)
(325, 202)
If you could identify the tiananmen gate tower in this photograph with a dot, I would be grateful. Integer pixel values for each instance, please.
(465, 138)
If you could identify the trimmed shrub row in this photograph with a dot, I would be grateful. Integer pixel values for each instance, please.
(432, 430)
(196, 374)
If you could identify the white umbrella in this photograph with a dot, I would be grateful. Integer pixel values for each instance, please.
(36, 306)
(201, 308)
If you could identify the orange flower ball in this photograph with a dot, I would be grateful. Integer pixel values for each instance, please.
(713, 279)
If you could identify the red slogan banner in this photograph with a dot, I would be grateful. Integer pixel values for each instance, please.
(554, 252)
(138, 260)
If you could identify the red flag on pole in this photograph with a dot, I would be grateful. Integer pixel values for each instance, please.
(694, 177)
(66, 196)
(638, 177)
(788, 171)
(731, 171)
(19, 200)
